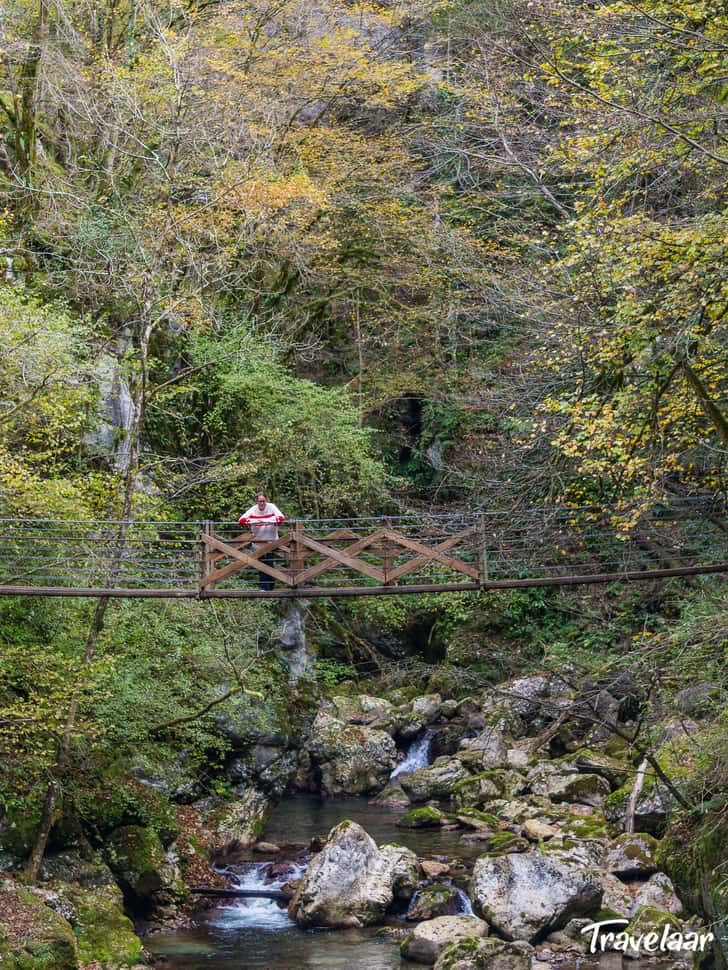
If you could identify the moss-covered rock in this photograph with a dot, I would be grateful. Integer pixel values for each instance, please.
(485, 787)
(437, 899)
(32, 935)
(582, 789)
(430, 938)
(150, 879)
(427, 816)
(613, 770)
(506, 842)
(486, 953)
(349, 759)
(650, 811)
(436, 781)
(103, 932)
(632, 855)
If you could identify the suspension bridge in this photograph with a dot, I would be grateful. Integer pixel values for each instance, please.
(485, 550)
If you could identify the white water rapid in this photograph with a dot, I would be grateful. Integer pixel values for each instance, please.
(265, 914)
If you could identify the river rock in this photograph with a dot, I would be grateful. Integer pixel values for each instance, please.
(491, 746)
(438, 780)
(425, 943)
(243, 820)
(616, 900)
(486, 953)
(351, 882)
(437, 899)
(538, 831)
(658, 892)
(425, 817)
(433, 869)
(480, 789)
(632, 856)
(427, 707)
(587, 853)
(524, 895)
(351, 759)
(364, 709)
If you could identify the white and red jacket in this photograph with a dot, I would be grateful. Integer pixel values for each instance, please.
(263, 525)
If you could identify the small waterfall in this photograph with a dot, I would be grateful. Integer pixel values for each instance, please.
(418, 756)
(466, 907)
(265, 914)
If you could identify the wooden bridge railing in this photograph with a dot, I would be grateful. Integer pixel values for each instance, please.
(531, 547)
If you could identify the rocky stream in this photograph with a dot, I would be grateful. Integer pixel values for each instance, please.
(483, 833)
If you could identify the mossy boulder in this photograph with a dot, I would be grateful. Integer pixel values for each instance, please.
(83, 869)
(427, 816)
(364, 709)
(650, 811)
(581, 789)
(651, 919)
(478, 790)
(32, 935)
(487, 953)
(632, 855)
(425, 943)
(103, 932)
(438, 780)
(437, 899)
(150, 880)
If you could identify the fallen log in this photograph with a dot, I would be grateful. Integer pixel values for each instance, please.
(244, 893)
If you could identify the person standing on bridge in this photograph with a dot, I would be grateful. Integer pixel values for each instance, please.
(263, 520)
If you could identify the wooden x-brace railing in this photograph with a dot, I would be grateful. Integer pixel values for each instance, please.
(297, 546)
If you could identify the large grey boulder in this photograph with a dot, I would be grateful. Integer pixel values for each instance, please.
(351, 882)
(438, 780)
(526, 895)
(486, 953)
(351, 759)
(428, 939)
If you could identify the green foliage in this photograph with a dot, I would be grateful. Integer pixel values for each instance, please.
(330, 673)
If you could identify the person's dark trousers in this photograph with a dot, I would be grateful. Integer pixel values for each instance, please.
(264, 580)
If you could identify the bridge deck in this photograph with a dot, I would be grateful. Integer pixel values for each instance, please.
(544, 546)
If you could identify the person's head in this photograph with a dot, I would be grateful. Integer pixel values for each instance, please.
(261, 499)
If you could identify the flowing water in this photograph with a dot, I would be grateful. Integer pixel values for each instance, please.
(418, 756)
(256, 934)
